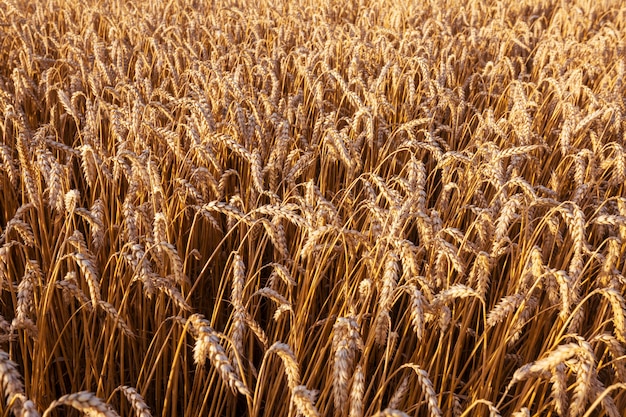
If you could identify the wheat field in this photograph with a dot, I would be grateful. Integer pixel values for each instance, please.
(301, 208)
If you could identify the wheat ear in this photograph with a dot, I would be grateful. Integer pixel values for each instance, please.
(427, 389)
(289, 361)
(208, 345)
(356, 392)
(346, 342)
(11, 382)
(84, 401)
(136, 401)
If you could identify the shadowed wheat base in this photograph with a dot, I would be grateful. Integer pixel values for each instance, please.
(352, 209)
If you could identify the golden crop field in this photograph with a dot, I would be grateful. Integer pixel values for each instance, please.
(298, 208)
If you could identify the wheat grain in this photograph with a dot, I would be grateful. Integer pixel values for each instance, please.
(97, 224)
(382, 327)
(7, 164)
(89, 165)
(69, 286)
(23, 229)
(455, 292)
(257, 330)
(565, 292)
(165, 285)
(389, 281)
(159, 230)
(276, 232)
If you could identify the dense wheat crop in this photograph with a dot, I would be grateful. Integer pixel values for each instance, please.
(293, 208)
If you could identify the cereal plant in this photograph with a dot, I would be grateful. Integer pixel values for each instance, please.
(300, 208)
